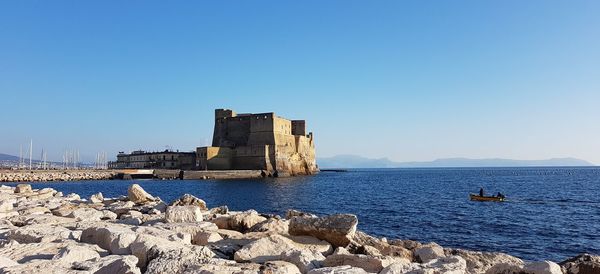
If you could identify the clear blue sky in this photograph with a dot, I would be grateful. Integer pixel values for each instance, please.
(408, 80)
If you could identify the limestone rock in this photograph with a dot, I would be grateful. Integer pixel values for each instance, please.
(242, 222)
(345, 269)
(180, 261)
(265, 249)
(138, 195)
(190, 200)
(545, 267)
(75, 253)
(336, 229)
(445, 265)
(272, 224)
(183, 214)
(6, 262)
(6, 206)
(311, 243)
(502, 268)
(97, 198)
(108, 215)
(296, 213)
(41, 233)
(368, 263)
(206, 237)
(480, 262)
(279, 267)
(35, 210)
(86, 214)
(428, 252)
(114, 238)
(305, 260)
(582, 264)
(113, 264)
(23, 188)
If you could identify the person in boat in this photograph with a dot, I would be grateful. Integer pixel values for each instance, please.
(481, 191)
(500, 195)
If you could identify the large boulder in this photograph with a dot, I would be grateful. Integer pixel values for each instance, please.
(480, 262)
(545, 267)
(75, 253)
(6, 206)
(582, 264)
(112, 264)
(366, 262)
(429, 252)
(272, 224)
(138, 195)
(183, 214)
(242, 222)
(445, 265)
(86, 214)
(305, 260)
(265, 249)
(114, 238)
(23, 188)
(41, 233)
(190, 200)
(181, 261)
(336, 229)
(97, 198)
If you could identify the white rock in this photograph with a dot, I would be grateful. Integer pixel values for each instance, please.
(305, 260)
(264, 249)
(206, 237)
(97, 198)
(428, 252)
(41, 233)
(6, 206)
(138, 195)
(23, 188)
(6, 262)
(73, 253)
(345, 269)
(112, 264)
(86, 214)
(183, 214)
(545, 267)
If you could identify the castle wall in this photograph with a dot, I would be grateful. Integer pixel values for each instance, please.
(260, 141)
(214, 158)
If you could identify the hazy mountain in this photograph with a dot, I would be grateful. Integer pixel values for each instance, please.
(6, 157)
(354, 161)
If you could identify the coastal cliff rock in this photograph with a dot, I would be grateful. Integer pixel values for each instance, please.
(336, 229)
(43, 231)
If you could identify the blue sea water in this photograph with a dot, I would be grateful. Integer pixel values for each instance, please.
(551, 213)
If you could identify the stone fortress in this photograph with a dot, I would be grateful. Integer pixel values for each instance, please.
(261, 141)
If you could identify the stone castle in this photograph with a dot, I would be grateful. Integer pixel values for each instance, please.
(262, 141)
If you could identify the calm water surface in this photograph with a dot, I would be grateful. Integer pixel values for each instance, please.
(552, 213)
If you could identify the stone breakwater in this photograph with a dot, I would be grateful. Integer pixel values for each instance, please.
(45, 231)
(55, 175)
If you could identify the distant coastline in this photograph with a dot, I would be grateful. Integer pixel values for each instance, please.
(354, 161)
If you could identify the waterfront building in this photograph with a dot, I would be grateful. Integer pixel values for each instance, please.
(154, 160)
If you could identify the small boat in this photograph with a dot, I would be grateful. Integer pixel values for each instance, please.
(475, 197)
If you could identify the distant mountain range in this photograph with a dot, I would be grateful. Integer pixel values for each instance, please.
(6, 157)
(354, 161)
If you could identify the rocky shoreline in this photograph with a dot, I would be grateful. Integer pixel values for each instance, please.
(56, 175)
(44, 231)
